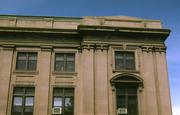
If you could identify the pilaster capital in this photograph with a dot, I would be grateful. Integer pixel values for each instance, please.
(46, 48)
(153, 49)
(8, 46)
(95, 46)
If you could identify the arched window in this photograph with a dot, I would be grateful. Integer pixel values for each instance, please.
(126, 93)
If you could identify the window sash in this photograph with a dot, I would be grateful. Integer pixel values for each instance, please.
(124, 60)
(64, 97)
(64, 62)
(23, 101)
(26, 61)
(127, 98)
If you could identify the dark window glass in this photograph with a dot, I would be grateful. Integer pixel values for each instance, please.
(124, 60)
(64, 62)
(64, 98)
(26, 61)
(127, 100)
(23, 101)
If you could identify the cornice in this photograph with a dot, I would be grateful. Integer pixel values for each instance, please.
(125, 31)
(153, 49)
(94, 46)
(38, 30)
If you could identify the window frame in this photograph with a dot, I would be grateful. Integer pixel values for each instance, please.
(64, 61)
(124, 68)
(126, 95)
(63, 96)
(23, 95)
(27, 60)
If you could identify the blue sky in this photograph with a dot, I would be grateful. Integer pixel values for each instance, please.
(166, 10)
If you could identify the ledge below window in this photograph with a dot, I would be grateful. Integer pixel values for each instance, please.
(64, 73)
(26, 72)
(132, 71)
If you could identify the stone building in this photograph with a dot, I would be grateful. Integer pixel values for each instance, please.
(113, 65)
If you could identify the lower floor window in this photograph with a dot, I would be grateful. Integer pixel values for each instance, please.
(127, 101)
(23, 101)
(63, 101)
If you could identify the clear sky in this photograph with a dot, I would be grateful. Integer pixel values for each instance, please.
(166, 10)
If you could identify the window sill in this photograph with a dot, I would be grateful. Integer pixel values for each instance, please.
(132, 71)
(26, 72)
(64, 73)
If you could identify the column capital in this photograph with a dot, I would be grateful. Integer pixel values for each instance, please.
(8, 46)
(46, 48)
(153, 48)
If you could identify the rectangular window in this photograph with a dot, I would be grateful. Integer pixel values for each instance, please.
(127, 102)
(64, 62)
(26, 61)
(23, 101)
(64, 98)
(124, 60)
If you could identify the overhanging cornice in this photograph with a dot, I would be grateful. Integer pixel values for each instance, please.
(146, 32)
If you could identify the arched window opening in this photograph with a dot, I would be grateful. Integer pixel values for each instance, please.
(126, 93)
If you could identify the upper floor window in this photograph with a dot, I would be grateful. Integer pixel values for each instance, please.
(64, 62)
(26, 61)
(124, 60)
(23, 101)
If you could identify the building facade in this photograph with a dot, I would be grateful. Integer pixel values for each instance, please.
(114, 65)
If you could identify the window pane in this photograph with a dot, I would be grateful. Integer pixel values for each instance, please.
(58, 92)
(119, 64)
(118, 55)
(68, 102)
(18, 90)
(69, 92)
(70, 66)
(59, 66)
(17, 101)
(17, 110)
(69, 106)
(30, 91)
(32, 56)
(120, 91)
(57, 102)
(121, 102)
(21, 65)
(130, 64)
(29, 101)
(22, 56)
(28, 110)
(132, 91)
(59, 57)
(32, 65)
(130, 55)
(70, 57)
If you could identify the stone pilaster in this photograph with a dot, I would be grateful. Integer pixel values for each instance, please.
(101, 81)
(149, 93)
(6, 56)
(88, 81)
(43, 80)
(163, 84)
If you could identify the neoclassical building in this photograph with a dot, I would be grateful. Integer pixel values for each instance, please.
(112, 65)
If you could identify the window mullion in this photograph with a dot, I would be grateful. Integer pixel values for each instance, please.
(27, 61)
(23, 105)
(65, 62)
(63, 102)
(124, 60)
